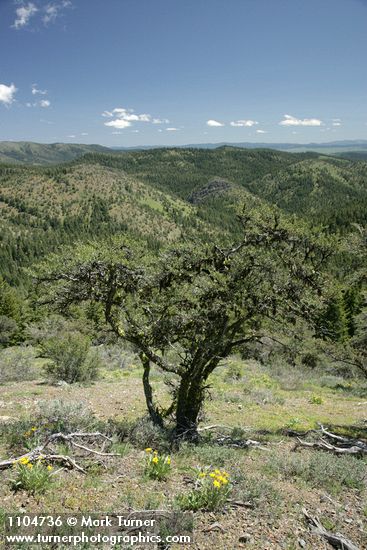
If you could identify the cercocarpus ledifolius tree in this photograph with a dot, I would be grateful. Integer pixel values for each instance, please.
(191, 307)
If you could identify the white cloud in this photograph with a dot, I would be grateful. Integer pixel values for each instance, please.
(336, 122)
(214, 123)
(122, 118)
(160, 121)
(23, 15)
(7, 93)
(84, 134)
(172, 129)
(44, 103)
(261, 132)
(247, 123)
(72, 136)
(36, 91)
(53, 10)
(118, 123)
(290, 120)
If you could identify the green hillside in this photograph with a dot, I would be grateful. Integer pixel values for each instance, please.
(331, 191)
(165, 195)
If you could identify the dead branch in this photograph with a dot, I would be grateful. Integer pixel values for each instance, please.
(324, 446)
(42, 452)
(336, 540)
(37, 454)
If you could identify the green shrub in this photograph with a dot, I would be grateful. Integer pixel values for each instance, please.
(234, 372)
(143, 433)
(259, 492)
(211, 491)
(72, 359)
(17, 364)
(35, 478)
(316, 399)
(52, 417)
(320, 469)
(66, 417)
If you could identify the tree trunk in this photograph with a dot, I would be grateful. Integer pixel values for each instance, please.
(148, 392)
(189, 402)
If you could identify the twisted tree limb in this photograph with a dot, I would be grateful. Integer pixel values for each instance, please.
(336, 540)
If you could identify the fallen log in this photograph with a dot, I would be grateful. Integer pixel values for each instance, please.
(336, 540)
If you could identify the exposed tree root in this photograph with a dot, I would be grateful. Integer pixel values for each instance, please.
(336, 540)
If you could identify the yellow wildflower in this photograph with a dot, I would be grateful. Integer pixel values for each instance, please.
(168, 460)
(216, 483)
(202, 474)
(33, 429)
(217, 472)
(24, 460)
(148, 450)
(212, 474)
(155, 460)
(29, 465)
(155, 452)
(49, 468)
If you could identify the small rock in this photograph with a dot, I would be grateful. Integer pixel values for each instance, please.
(246, 537)
(302, 543)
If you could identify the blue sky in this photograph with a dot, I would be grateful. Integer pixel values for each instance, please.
(135, 72)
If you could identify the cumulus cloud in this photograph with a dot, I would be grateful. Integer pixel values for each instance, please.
(242, 123)
(122, 118)
(72, 136)
(172, 129)
(36, 90)
(214, 123)
(7, 93)
(261, 132)
(23, 15)
(44, 103)
(290, 120)
(336, 122)
(84, 134)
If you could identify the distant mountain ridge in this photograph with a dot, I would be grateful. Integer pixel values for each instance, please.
(26, 152)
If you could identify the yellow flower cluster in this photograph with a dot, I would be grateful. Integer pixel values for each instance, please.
(155, 458)
(30, 432)
(219, 477)
(24, 461)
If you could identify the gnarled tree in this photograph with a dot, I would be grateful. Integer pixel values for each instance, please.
(190, 308)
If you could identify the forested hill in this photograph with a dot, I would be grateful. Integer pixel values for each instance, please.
(329, 190)
(26, 152)
(164, 195)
